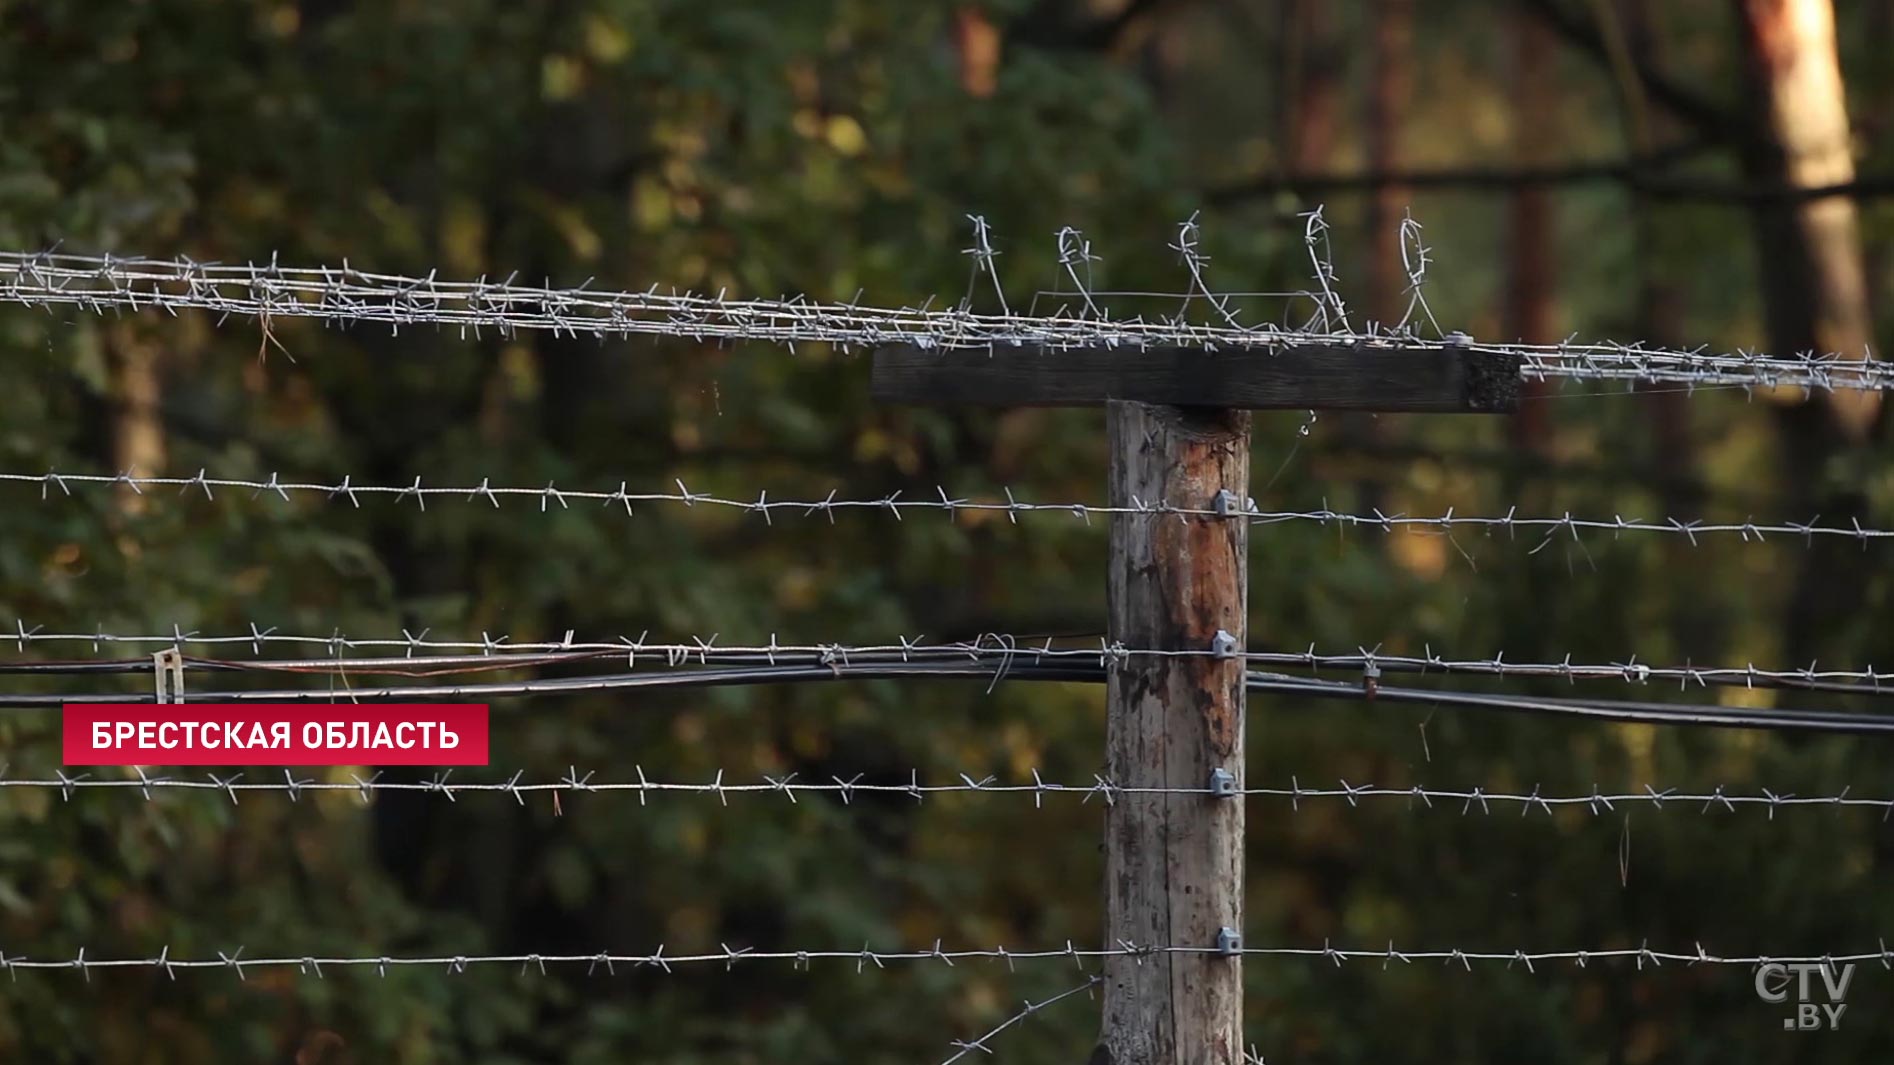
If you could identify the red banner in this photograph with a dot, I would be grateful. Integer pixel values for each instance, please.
(441, 734)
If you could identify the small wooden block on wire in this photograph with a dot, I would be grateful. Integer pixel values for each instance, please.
(1312, 376)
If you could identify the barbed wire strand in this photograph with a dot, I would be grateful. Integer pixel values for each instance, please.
(346, 295)
(791, 789)
(894, 505)
(729, 957)
(962, 1049)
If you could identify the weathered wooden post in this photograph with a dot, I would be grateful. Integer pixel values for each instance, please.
(1179, 427)
(1174, 863)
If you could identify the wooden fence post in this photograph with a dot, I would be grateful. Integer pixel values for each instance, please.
(1174, 863)
(1179, 426)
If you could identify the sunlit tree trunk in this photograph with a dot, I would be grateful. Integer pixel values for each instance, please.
(1816, 291)
(977, 47)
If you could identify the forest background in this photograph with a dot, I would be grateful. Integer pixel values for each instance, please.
(1604, 169)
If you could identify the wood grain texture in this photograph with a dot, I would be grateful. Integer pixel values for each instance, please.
(1174, 863)
(1312, 377)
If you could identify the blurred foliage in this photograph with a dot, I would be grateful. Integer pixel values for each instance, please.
(830, 147)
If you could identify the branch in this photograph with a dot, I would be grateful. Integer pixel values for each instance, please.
(1710, 118)
(1470, 178)
(1049, 25)
(1502, 180)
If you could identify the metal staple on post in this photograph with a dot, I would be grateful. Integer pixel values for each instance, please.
(168, 669)
(1224, 645)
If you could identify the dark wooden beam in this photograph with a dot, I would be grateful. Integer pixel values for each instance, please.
(1321, 377)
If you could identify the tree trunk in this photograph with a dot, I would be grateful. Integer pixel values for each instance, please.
(137, 395)
(1174, 863)
(1531, 234)
(977, 47)
(1659, 310)
(1814, 285)
(1816, 290)
(1393, 82)
(1314, 86)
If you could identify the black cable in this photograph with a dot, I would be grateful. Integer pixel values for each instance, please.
(1597, 709)
(428, 665)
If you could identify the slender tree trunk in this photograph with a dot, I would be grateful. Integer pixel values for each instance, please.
(1658, 300)
(1816, 293)
(1315, 85)
(1631, 45)
(1814, 285)
(977, 46)
(137, 394)
(1393, 81)
(1531, 233)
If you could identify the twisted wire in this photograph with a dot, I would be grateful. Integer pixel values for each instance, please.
(348, 295)
(419, 653)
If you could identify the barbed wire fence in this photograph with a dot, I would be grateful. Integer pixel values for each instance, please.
(1202, 318)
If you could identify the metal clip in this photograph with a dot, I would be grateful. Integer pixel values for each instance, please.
(1229, 942)
(1222, 783)
(1223, 645)
(1226, 505)
(168, 665)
